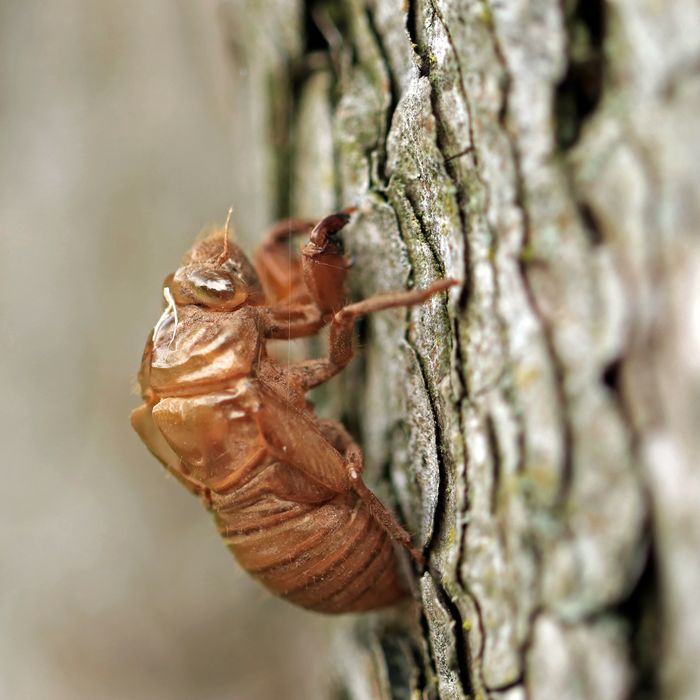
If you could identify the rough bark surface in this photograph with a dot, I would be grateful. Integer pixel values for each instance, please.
(538, 432)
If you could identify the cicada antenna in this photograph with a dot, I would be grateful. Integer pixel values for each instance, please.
(227, 226)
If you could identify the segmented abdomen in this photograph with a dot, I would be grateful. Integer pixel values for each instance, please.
(332, 557)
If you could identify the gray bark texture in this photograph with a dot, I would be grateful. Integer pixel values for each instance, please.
(537, 432)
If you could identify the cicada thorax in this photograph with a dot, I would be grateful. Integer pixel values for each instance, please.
(201, 371)
(195, 348)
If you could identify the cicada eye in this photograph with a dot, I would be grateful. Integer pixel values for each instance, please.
(212, 282)
(212, 287)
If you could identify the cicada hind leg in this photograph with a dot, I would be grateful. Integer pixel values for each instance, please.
(339, 556)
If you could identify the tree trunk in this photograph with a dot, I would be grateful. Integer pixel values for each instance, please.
(537, 433)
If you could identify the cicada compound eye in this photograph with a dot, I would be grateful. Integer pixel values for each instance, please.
(208, 286)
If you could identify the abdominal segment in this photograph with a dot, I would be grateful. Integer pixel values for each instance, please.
(331, 557)
(305, 541)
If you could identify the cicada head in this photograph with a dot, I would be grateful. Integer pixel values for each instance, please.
(216, 273)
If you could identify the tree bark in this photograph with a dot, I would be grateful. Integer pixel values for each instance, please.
(537, 433)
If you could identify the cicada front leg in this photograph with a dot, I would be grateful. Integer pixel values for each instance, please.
(279, 267)
(311, 373)
(304, 294)
(341, 439)
(324, 263)
(325, 452)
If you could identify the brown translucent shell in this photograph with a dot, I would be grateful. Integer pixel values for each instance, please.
(234, 427)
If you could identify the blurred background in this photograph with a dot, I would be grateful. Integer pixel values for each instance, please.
(117, 144)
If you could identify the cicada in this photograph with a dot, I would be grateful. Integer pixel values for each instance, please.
(234, 426)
